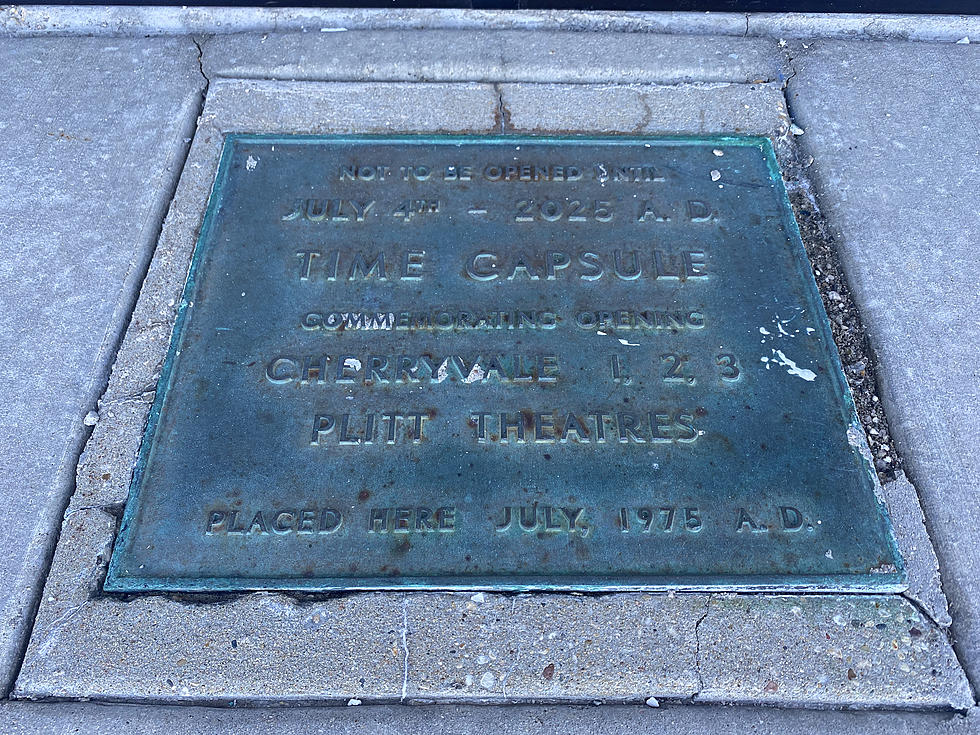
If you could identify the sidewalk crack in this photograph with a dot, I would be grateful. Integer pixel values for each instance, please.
(697, 648)
(502, 114)
(199, 41)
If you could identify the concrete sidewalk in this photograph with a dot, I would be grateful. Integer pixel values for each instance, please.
(96, 133)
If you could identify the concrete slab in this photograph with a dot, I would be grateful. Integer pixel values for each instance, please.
(493, 56)
(746, 109)
(89, 162)
(896, 173)
(23, 718)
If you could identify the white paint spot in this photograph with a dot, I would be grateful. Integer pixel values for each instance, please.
(479, 597)
(352, 363)
(486, 681)
(443, 372)
(476, 374)
(652, 702)
(810, 330)
(763, 330)
(796, 129)
(251, 163)
(964, 41)
(715, 174)
(829, 554)
(718, 152)
(792, 367)
(627, 343)
(779, 326)
(353, 702)
(91, 418)
(332, 30)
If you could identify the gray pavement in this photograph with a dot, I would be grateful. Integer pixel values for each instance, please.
(893, 130)
(20, 718)
(94, 135)
(90, 160)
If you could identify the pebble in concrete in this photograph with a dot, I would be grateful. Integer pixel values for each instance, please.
(691, 109)
(260, 648)
(386, 647)
(867, 650)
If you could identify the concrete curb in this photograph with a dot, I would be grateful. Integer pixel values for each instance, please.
(35, 20)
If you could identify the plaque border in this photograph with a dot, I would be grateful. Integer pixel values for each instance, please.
(888, 580)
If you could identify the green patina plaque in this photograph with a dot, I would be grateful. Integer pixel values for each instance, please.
(502, 363)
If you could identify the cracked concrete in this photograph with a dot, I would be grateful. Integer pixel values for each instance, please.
(503, 114)
(270, 648)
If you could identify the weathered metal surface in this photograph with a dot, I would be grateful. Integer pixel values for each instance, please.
(502, 363)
